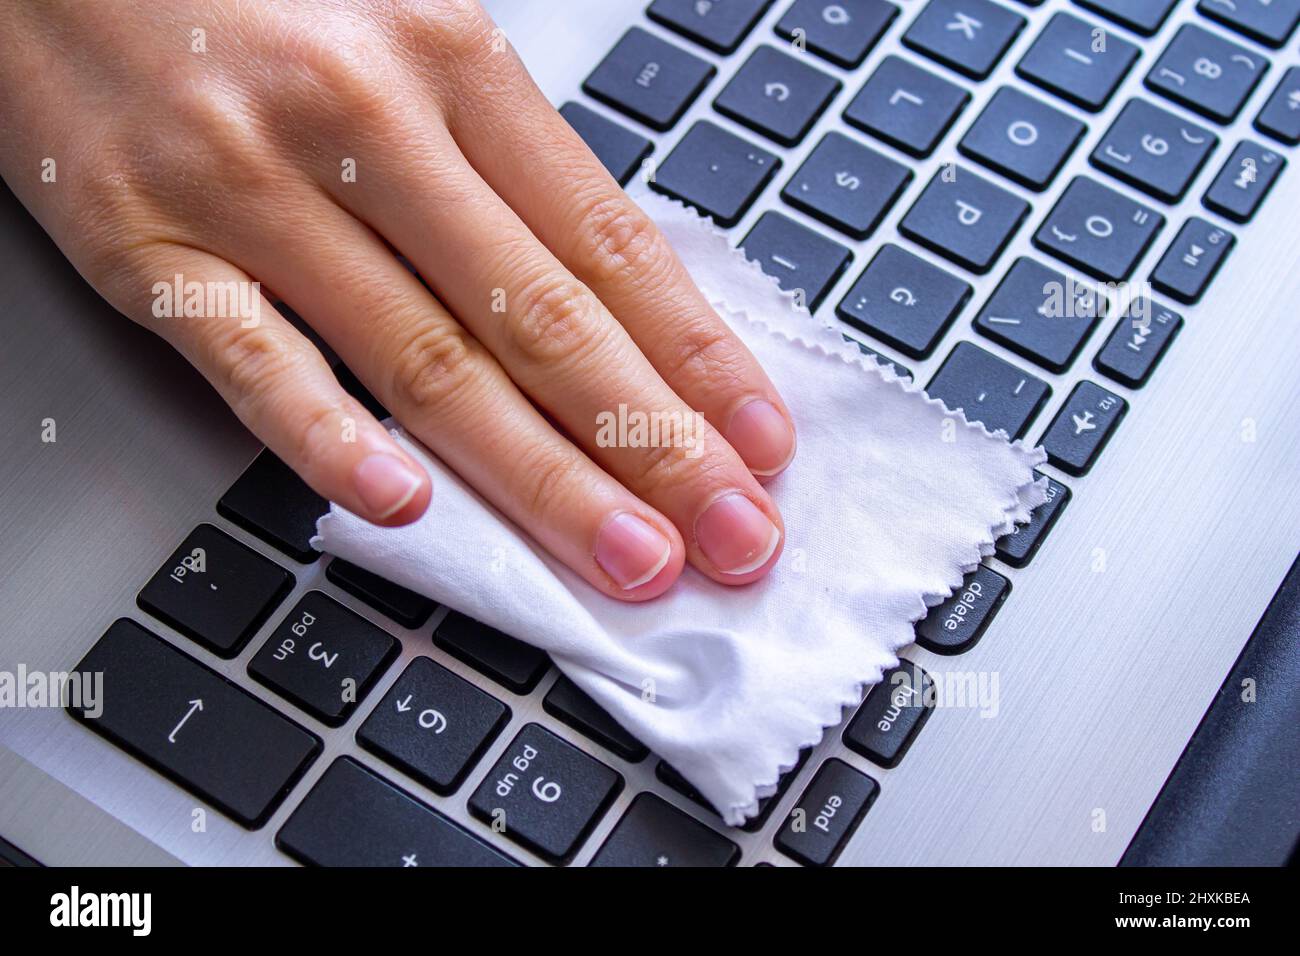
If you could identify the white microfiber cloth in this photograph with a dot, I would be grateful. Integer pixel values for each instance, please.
(890, 501)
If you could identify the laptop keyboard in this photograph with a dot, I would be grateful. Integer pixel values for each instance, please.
(480, 720)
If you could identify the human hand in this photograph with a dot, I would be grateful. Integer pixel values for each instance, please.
(298, 144)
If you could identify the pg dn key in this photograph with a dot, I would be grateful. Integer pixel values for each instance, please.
(545, 794)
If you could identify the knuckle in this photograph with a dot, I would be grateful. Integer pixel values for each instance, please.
(339, 78)
(556, 321)
(249, 363)
(315, 433)
(546, 480)
(433, 369)
(667, 468)
(123, 269)
(703, 352)
(622, 242)
(115, 242)
(457, 30)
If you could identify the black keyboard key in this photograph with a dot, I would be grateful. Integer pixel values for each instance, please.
(1140, 16)
(1022, 138)
(827, 814)
(847, 185)
(1192, 259)
(620, 150)
(969, 36)
(354, 817)
(655, 833)
(720, 26)
(965, 218)
(565, 701)
(955, 625)
(270, 501)
(1082, 427)
(323, 657)
(1098, 230)
(215, 591)
(1270, 22)
(1244, 181)
(433, 725)
(892, 714)
(1154, 150)
(906, 106)
(405, 607)
(192, 725)
(1206, 73)
(777, 95)
(545, 794)
(989, 389)
(1280, 117)
(802, 261)
(716, 172)
(1077, 61)
(507, 661)
(669, 776)
(843, 31)
(904, 301)
(1018, 547)
(1138, 342)
(649, 79)
(1041, 314)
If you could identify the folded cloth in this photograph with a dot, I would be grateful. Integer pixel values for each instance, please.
(890, 501)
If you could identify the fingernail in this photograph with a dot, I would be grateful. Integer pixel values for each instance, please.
(385, 484)
(735, 536)
(632, 551)
(762, 437)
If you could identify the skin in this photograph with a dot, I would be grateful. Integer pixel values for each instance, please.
(548, 297)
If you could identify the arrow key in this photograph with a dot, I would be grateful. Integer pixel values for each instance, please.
(777, 95)
(433, 725)
(191, 724)
(1082, 427)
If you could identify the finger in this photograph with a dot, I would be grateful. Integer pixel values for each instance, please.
(452, 395)
(520, 145)
(566, 352)
(278, 384)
